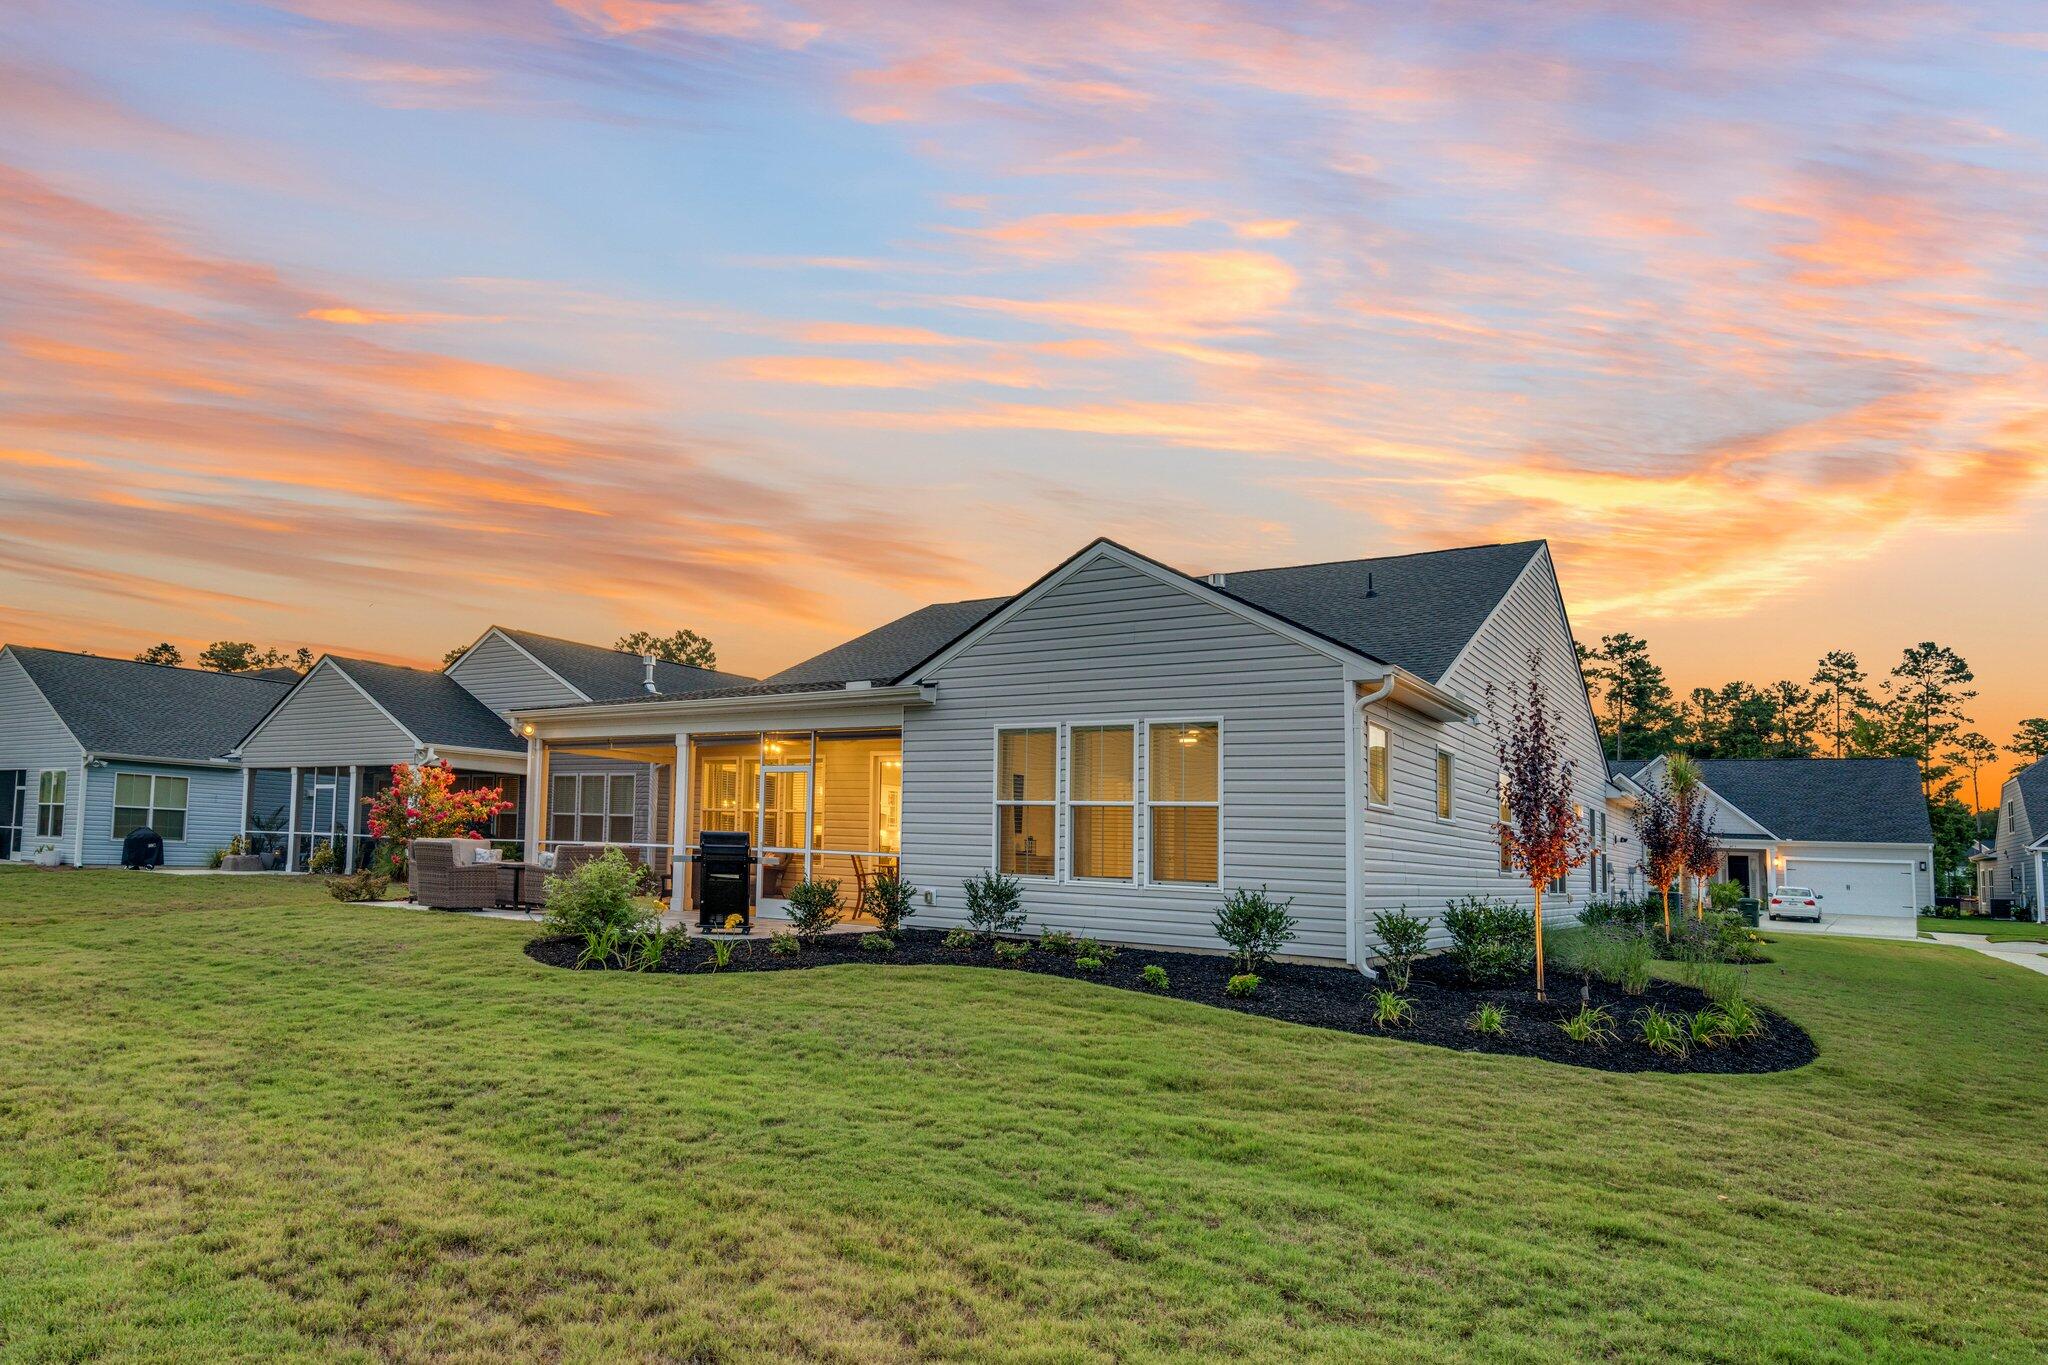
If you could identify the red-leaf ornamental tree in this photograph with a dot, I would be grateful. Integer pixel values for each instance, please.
(1543, 833)
(1695, 849)
(1702, 854)
(422, 803)
(1657, 826)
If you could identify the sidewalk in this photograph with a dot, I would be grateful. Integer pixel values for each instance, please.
(2032, 956)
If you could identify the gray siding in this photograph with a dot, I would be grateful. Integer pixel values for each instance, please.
(501, 676)
(213, 813)
(1112, 644)
(33, 738)
(326, 720)
(1411, 858)
(2013, 857)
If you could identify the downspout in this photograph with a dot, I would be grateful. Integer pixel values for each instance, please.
(1355, 862)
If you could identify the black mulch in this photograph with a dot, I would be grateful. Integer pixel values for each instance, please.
(1322, 997)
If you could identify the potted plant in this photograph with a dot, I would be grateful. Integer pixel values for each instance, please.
(239, 859)
(47, 855)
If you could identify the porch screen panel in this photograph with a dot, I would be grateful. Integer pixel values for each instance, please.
(1027, 787)
(857, 801)
(1184, 802)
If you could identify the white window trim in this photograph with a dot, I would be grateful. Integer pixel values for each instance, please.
(61, 806)
(608, 815)
(114, 811)
(1373, 800)
(997, 801)
(1145, 841)
(1065, 800)
(1446, 774)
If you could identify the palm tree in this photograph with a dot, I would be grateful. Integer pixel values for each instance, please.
(1695, 831)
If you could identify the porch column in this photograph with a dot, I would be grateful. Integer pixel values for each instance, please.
(291, 828)
(348, 821)
(536, 798)
(241, 830)
(679, 826)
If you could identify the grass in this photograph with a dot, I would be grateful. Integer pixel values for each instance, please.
(1997, 930)
(239, 1120)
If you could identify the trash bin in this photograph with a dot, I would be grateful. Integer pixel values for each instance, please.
(1751, 909)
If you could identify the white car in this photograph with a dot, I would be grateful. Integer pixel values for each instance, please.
(1795, 902)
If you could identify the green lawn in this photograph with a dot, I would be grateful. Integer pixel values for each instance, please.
(239, 1120)
(1997, 930)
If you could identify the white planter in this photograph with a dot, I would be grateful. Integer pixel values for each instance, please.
(54, 858)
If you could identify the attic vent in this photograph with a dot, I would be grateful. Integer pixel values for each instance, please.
(648, 682)
(1216, 580)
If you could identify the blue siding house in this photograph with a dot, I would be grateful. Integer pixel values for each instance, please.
(93, 748)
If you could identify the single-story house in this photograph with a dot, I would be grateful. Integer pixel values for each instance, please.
(1855, 830)
(92, 749)
(330, 743)
(2020, 878)
(1131, 742)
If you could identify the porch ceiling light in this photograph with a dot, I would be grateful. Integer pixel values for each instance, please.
(527, 729)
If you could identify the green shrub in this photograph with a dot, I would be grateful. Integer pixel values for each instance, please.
(1153, 978)
(891, 900)
(814, 909)
(1592, 1024)
(877, 943)
(958, 940)
(1089, 947)
(1243, 986)
(1718, 981)
(780, 943)
(1058, 942)
(1011, 951)
(1745, 1021)
(323, 860)
(366, 885)
(643, 954)
(1402, 938)
(1490, 1020)
(1724, 896)
(995, 904)
(216, 858)
(1663, 1031)
(1391, 1009)
(595, 903)
(1709, 1027)
(1628, 914)
(1255, 926)
(1088, 962)
(1493, 942)
(721, 950)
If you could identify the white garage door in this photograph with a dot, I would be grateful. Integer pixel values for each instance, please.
(1848, 888)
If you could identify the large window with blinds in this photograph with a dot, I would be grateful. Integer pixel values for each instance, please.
(1101, 790)
(152, 801)
(1184, 801)
(1027, 801)
(591, 808)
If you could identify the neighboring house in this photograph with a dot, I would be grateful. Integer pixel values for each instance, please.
(92, 749)
(2020, 878)
(1853, 829)
(330, 744)
(1132, 743)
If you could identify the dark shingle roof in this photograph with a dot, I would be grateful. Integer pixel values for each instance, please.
(436, 708)
(1626, 767)
(610, 675)
(2033, 780)
(1827, 800)
(116, 706)
(1423, 608)
(887, 652)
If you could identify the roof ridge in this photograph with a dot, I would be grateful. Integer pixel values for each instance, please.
(1376, 559)
(138, 663)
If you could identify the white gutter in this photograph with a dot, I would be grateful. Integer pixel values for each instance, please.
(94, 760)
(685, 707)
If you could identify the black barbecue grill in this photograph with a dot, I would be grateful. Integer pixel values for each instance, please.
(143, 848)
(725, 878)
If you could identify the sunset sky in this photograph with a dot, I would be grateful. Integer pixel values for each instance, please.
(362, 324)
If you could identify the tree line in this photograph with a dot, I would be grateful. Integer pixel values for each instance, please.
(1920, 710)
(239, 656)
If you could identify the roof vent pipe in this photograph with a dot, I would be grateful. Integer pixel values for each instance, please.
(1215, 580)
(648, 683)
(1370, 591)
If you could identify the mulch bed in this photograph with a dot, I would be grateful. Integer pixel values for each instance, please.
(1321, 997)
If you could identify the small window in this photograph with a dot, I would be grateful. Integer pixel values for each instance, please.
(1027, 792)
(1443, 784)
(1378, 781)
(144, 800)
(1101, 785)
(1507, 853)
(1184, 802)
(50, 805)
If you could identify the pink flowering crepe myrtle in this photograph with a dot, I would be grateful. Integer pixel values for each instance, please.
(423, 803)
(1544, 834)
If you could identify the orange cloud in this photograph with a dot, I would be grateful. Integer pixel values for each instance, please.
(846, 372)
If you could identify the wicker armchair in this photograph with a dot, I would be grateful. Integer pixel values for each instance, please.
(441, 874)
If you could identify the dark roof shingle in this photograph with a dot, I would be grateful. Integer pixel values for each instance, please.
(433, 706)
(611, 675)
(117, 706)
(1827, 800)
(2033, 781)
(888, 651)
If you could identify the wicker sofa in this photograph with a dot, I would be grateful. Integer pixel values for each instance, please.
(444, 873)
